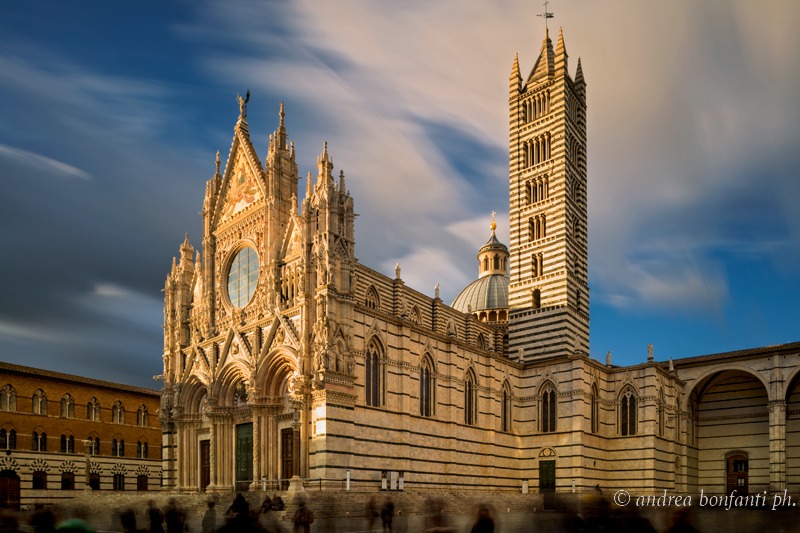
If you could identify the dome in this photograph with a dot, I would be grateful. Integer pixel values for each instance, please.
(485, 293)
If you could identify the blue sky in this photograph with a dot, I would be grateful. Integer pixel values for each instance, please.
(112, 114)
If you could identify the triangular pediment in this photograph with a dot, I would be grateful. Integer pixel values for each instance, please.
(292, 240)
(243, 183)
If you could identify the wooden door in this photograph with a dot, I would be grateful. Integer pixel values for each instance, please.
(287, 456)
(736, 475)
(9, 490)
(205, 464)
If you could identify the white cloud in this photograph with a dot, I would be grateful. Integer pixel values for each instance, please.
(41, 162)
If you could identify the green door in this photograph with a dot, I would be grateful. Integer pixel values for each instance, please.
(547, 476)
(244, 456)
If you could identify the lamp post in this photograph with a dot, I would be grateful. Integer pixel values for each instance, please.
(88, 444)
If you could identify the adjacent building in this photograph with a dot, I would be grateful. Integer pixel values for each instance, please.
(61, 433)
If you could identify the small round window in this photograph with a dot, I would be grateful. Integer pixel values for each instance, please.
(243, 277)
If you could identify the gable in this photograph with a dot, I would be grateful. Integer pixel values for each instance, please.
(242, 188)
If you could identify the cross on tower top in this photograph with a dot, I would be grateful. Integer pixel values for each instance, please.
(546, 15)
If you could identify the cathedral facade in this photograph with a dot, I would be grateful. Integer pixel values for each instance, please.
(288, 361)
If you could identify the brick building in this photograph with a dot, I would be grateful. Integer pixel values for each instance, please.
(62, 433)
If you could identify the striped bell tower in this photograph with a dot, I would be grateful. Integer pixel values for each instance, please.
(548, 289)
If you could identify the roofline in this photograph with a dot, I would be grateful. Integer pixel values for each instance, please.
(744, 353)
(20, 369)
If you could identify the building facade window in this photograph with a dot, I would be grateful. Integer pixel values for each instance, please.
(39, 401)
(141, 449)
(93, 410)
(142, 418)
(141, 482)
(118, 413)
(627, 413)
(67, 481)
(119, 481)
(427, 388)
(371, 300)
(8, 439)
(93, 446)
(39, 441)
(505, 408)
(549, 409)
(118, 448)
(595, 407)
(8, 398)
(67, 406)
(39, 480)
(374, 371)
(67, 444)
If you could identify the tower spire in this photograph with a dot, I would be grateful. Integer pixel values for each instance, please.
(546, 15)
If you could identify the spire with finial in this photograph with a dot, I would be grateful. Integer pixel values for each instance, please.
(341, 182)
(580, 84)
(186, 249)
(308, 185)
(325, 166)
(217, 163)
(280, 134)
(561, 52)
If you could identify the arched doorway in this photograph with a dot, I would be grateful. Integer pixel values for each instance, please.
(9, 490)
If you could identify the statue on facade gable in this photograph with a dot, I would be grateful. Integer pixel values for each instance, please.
(243, 103)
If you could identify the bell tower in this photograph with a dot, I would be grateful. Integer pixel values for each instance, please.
(548, 289)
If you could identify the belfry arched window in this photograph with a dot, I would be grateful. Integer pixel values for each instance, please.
(548, 408)
(373, 365)
(627, 412)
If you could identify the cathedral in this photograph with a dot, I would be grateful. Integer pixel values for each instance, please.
(286, 361)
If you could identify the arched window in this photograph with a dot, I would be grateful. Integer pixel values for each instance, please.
(118, 413)
(8, 398)
(39, 441)
(505, 408)
(481, 341)
(371, 300)
(39, 480)
(141, 449)
(470, 399)
(67, 406)
(93, 410)
(8, 439)
(142, 418)
(67, 444)
(548, 408)
(39, 401)
(427, 387)
(627, 412)
(118, 448)
(414, 315)
(374, 372)
(662, 405)
(595, 417)
(119, 482)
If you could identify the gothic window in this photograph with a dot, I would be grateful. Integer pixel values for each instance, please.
(427, 387)
(118, 448)
(8, 398)
(481, 341)
(548, 408)
(414, 315)
(505, 408)
(661, 414)
(39, 401)
(93, 410)
(8, 439)
(118, 413)
(67, 444)
(371, 300)
(93, 446)
(595, 407)
(142, 418)
(374, 372)
(39, 441)
(67, 406)
(627, 412)
(470, 399)
(141, 449)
